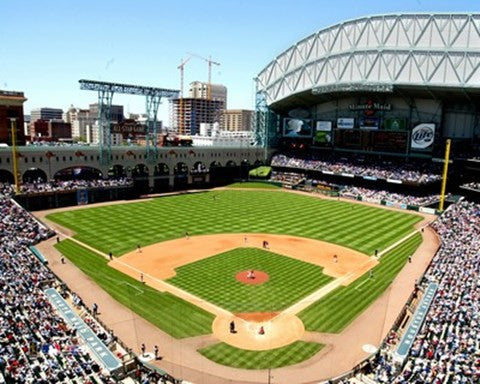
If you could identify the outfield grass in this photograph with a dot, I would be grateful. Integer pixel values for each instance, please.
(255, 184)
(175, 316)
(213, 279)
(336, 310)
(274, 358)
(119, 228)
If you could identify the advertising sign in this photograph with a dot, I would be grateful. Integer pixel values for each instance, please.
(129, 128)
(369, 122)
(370, 107)
(394, 124)
(345, 122)
(430, 211)
(423, 136)
(297, 128)
(323, 133)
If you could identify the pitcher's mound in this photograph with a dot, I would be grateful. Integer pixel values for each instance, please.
(255, 278)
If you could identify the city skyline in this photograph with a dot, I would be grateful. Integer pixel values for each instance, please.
(53, 44)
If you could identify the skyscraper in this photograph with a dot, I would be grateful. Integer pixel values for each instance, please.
(188, 113)
(46, 114)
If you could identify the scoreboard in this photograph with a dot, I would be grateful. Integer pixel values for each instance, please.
(371, 140)
(389, 141)
(350, 138)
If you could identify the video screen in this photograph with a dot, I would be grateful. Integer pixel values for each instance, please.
(297, 128)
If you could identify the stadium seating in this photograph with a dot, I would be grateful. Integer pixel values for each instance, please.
(292, 178)
(287, 178)
(71, 185)
(397, 198)
(474, 185)
(421, 174)
(36, 344)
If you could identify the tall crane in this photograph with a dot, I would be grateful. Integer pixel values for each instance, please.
(181, 67)
(210, 63)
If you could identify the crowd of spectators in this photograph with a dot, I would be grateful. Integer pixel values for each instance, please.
(475, 185)
(36, 344)
(199, 168)
(287, 178)
(406, 172)
(447, 347)
(41, 186)
(351, 191)
(397, 198)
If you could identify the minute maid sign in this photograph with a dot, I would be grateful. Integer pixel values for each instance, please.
(423, 136)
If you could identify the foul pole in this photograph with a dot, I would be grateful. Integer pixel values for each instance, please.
(445, 173)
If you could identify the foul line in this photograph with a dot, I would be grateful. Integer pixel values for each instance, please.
(359, 285)
(390, 247)
(140, 291)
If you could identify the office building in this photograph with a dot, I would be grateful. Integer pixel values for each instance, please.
(46, 114)
(11, 107)
(235, 120)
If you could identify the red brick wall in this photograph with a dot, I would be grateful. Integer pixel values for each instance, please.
(6, 112)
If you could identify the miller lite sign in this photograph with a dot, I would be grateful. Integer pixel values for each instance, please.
(423, 136)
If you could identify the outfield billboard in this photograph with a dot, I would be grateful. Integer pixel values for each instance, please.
(423, 136)
(345, 122)
(395, 124)
(323, 133)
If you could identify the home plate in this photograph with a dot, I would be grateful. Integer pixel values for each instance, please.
(146, 357)
(369, 348)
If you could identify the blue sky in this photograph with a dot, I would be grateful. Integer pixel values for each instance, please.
(46, 46)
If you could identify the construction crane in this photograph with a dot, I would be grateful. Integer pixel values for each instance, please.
(210, 63)
(181, 67)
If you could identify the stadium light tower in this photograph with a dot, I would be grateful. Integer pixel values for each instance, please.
(105, 94)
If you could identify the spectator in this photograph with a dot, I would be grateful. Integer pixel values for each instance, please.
(407, 172)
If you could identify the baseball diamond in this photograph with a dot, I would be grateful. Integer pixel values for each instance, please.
(175, 264)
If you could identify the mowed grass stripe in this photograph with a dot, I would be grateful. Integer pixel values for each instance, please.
(335, 311)
(213, 279)
(119, 228)
(294, 353)
(358, 230)
(393, 229)
(173, 315)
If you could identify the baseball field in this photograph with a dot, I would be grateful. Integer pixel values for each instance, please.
(178, 262)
